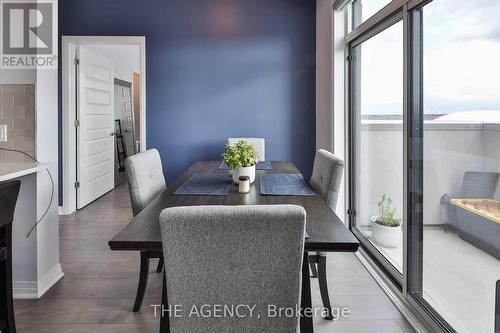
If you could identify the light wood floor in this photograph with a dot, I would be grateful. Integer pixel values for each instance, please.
(98, 290)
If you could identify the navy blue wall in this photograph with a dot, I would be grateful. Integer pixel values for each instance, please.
(217, 69)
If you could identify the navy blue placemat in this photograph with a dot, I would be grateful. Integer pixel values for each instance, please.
(263, 165)
(206, 184)
(284, 184)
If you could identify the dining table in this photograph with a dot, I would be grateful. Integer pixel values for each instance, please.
(325, 230)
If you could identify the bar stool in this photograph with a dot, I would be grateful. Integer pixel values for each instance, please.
(8, 198)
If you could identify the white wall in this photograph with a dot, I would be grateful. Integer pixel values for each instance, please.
(47, 129)
(324, 74)
(38, 268)
(330, 133)
(24, 250)
(125, 57)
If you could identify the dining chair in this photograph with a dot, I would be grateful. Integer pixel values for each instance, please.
(9, 192)
(221, 255)
(325, 180)
(145, 181)
(258, 143)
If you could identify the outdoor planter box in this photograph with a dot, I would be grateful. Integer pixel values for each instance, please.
(478, 222)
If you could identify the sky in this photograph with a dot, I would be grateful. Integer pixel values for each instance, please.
(461, 59)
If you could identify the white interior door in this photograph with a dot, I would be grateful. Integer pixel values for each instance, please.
(95, 133)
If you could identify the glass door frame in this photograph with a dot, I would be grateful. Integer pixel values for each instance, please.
(415, 166)
(353, 62)
(409, 283)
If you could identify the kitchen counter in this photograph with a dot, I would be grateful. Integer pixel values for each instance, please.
(35, 259)
(11, 170)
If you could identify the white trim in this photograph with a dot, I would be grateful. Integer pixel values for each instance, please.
(62, 211)
(324, 75)
(13, 170)
(34, 289)
(397, 125)
(69, 44)
(49, 280)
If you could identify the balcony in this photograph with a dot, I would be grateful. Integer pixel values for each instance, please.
(459, 277)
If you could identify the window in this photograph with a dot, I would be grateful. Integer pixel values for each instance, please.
(423, 131)
(377, 67)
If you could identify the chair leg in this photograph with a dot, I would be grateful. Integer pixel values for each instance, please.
(306, 322)
(160, 265)
(313, 261)
(323, 286)
(164, 319)
(143, 281)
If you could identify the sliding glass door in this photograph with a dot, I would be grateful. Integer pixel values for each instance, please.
(460, 107)
(424, 157)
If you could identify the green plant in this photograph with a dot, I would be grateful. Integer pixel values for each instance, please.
(241, 154)
(387, 214)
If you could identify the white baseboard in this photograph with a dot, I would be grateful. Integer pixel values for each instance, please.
(65, 210)
(36, 289)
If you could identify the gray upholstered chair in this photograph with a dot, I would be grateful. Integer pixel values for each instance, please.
(221, 255)
(325, 180)
(258, 143)
(145, 178)
(146, 182)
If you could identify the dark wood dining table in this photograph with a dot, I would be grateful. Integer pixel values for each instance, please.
(326, 231)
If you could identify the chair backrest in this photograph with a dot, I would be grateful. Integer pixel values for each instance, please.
(479, 185)
(8, 198)
(145, 178)
(233, 256)
(327, 176)
(258, 143)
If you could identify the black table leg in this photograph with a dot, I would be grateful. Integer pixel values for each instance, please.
(143, 281)
(6, 302)
(323, 286)
(164, 319)
(306, 322)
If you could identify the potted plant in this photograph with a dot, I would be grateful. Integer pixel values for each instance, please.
(386, 228)
(241, 157)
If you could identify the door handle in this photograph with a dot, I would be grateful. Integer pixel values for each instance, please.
(112, 134)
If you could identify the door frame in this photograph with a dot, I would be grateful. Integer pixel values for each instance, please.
(68, 85)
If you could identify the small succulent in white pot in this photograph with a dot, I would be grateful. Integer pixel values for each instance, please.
(241, 157)
(386, 228)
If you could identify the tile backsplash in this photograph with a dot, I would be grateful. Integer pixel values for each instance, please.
(17, 112)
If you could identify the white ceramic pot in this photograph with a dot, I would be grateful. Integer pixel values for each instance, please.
(386, 236)
(244, 171)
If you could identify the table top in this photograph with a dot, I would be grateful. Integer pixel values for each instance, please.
(326, 231)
